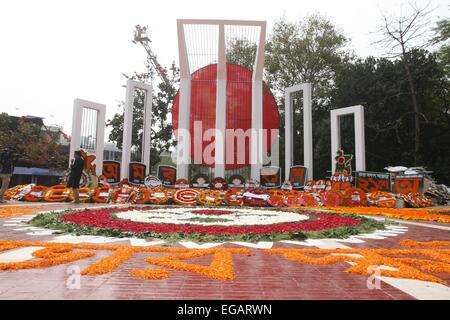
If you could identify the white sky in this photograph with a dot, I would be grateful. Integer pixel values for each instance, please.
(52, 52)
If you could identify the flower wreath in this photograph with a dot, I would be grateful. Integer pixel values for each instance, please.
(36, 194)
(291, 198)
(256, 197)
(141, 196)
(382, 199)
(58, 193)
(233, 197)
(186, 196)
(355, 197)
(122, 194)
(84, 193)
(331, 198)
(159, 195)
(276, 198)
(209, 198)
(101, 195)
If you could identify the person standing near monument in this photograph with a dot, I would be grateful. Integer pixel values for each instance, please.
(6, 171)
(76, 169)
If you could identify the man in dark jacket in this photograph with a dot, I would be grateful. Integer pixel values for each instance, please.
(6, 171)
(76, 169)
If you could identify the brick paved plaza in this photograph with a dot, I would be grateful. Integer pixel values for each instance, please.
(257, 275)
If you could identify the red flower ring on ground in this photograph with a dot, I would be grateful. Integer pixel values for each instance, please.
(104, 219)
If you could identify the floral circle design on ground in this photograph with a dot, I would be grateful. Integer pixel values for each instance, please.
(102, 220)
(235, 217)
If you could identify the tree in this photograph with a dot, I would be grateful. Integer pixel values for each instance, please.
(383, 88)
(310, 50)
(399, 36)
(35, 144)
(242, 52)
(442, 36)
(161, 130)
(307, 51)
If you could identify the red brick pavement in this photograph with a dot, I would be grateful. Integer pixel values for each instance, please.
(259, 276)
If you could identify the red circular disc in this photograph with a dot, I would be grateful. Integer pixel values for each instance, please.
(239, 108)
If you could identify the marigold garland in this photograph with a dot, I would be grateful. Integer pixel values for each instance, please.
(221, 267)
(412, 243)
(50, 257)
(403, 213)
(409, 268)
(58, 193)
(110, 263)
(36, 194)
(209, 198)
(15, 211)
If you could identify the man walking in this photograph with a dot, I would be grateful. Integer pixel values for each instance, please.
(76, 169)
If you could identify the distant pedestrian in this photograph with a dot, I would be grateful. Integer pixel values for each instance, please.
(76, 169)
(6, 170)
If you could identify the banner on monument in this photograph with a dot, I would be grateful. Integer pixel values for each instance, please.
(270, 177)
(167, 175)
(373, 181)
(136, 173)
(111, 171)
(297, 176)
(409, 184)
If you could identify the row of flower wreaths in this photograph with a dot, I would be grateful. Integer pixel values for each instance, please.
(251, 195)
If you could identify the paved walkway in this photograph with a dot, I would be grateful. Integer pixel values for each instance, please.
(257, 275)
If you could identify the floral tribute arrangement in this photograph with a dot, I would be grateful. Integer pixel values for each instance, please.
(205, 224)
(316, 193)
(426, 261)
(421, 261)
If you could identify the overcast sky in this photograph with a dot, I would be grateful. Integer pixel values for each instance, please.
(52, 52)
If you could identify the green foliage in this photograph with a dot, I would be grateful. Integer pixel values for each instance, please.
(241, 52)
(161, 131)
(314, 50)
(442, 36)
(311, 50)
(33, 143)
(306, 51)
(381, 86)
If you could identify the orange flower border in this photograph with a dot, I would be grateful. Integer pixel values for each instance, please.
(434, 259)
(395, 213)
(15, 211)
(437, 261)
(221, 267)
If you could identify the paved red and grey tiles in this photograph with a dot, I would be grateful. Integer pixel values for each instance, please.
(258, 276)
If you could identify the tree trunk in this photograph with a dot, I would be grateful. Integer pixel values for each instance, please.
(415, 109)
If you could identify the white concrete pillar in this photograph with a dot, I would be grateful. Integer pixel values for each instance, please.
(308, 156)
(77, 118)
(183, 140)
(360, 148)
(128, 126)
(360, 140)
(275, 151)
(256, 143)
(288, 132)
(221, 106)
